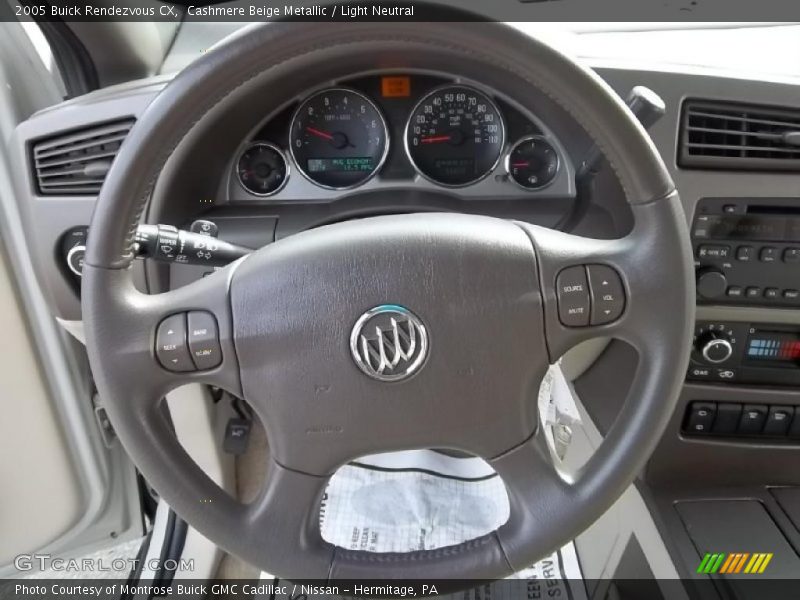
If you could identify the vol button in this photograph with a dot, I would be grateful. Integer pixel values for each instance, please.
(608, 296)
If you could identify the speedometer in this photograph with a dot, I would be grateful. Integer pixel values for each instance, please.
(455, 136)
(338, 138)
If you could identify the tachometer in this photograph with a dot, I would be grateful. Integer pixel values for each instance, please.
(338, 138)
(455, 136)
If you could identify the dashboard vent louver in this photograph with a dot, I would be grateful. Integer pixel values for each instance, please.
(76, 163)
(717, 135)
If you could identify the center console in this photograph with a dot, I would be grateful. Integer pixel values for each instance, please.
(747, 251)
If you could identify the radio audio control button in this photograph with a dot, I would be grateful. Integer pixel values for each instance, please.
(711, 283)
(608, 295)
(171, 347)
(791, 294)
(735, 292)
(713, 251)
(573, 297)
(753, 292)
(771, 293)
(791, 255)
(768, 254)
(745, 253)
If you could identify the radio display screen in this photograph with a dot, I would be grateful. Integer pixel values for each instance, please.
(753, 227)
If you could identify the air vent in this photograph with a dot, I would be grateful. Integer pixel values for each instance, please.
(77, 163)
(717, 135)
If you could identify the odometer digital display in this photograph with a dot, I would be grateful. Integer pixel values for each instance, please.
(338, 138)
(455, 136)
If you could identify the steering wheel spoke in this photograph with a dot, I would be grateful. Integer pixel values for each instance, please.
(536, 492)
(610, 288)
(170, 339)
(282, 524)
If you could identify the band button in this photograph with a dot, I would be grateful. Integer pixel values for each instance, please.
(203, 337)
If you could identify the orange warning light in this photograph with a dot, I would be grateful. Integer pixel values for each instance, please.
(396, 87)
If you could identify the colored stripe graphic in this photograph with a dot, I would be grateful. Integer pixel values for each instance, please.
(740, 564)
(763, 565)
(704, 563)
(734, 563)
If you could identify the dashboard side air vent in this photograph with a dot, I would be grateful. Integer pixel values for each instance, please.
(76, 163)
(720, 135)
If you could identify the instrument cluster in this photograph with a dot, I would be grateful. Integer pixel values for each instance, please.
(389, 130)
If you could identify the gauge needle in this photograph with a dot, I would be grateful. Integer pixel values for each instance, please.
(435, 138)
(520, 164)
(318, 133)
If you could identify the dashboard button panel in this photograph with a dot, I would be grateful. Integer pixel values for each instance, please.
(745, 421)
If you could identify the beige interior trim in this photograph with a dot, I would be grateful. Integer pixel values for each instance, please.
(41, 499)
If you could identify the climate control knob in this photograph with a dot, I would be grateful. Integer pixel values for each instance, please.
(715, 347)
(711, 283)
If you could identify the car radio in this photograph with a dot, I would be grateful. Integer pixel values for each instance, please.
(746, 353)
(747, 251)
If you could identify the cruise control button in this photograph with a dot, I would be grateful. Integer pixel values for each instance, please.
(573, 297)
(753, 417)
(608, 296)
(778, 420)
(171, 347)
(203, 338)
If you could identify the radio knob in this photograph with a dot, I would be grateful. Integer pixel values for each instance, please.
(715, 347)
(711, 283)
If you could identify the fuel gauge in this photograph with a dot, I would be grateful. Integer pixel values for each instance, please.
(262, 169)
(532, 162)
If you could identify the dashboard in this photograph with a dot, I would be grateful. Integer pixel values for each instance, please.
(393, 129)
(393, 141)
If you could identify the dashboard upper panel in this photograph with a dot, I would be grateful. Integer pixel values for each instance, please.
(396, 129)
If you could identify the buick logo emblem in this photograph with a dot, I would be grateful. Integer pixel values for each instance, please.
(389, 342)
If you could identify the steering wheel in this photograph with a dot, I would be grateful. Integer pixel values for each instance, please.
(393, 332)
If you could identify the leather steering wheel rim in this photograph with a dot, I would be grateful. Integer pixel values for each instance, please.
(297, 296)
